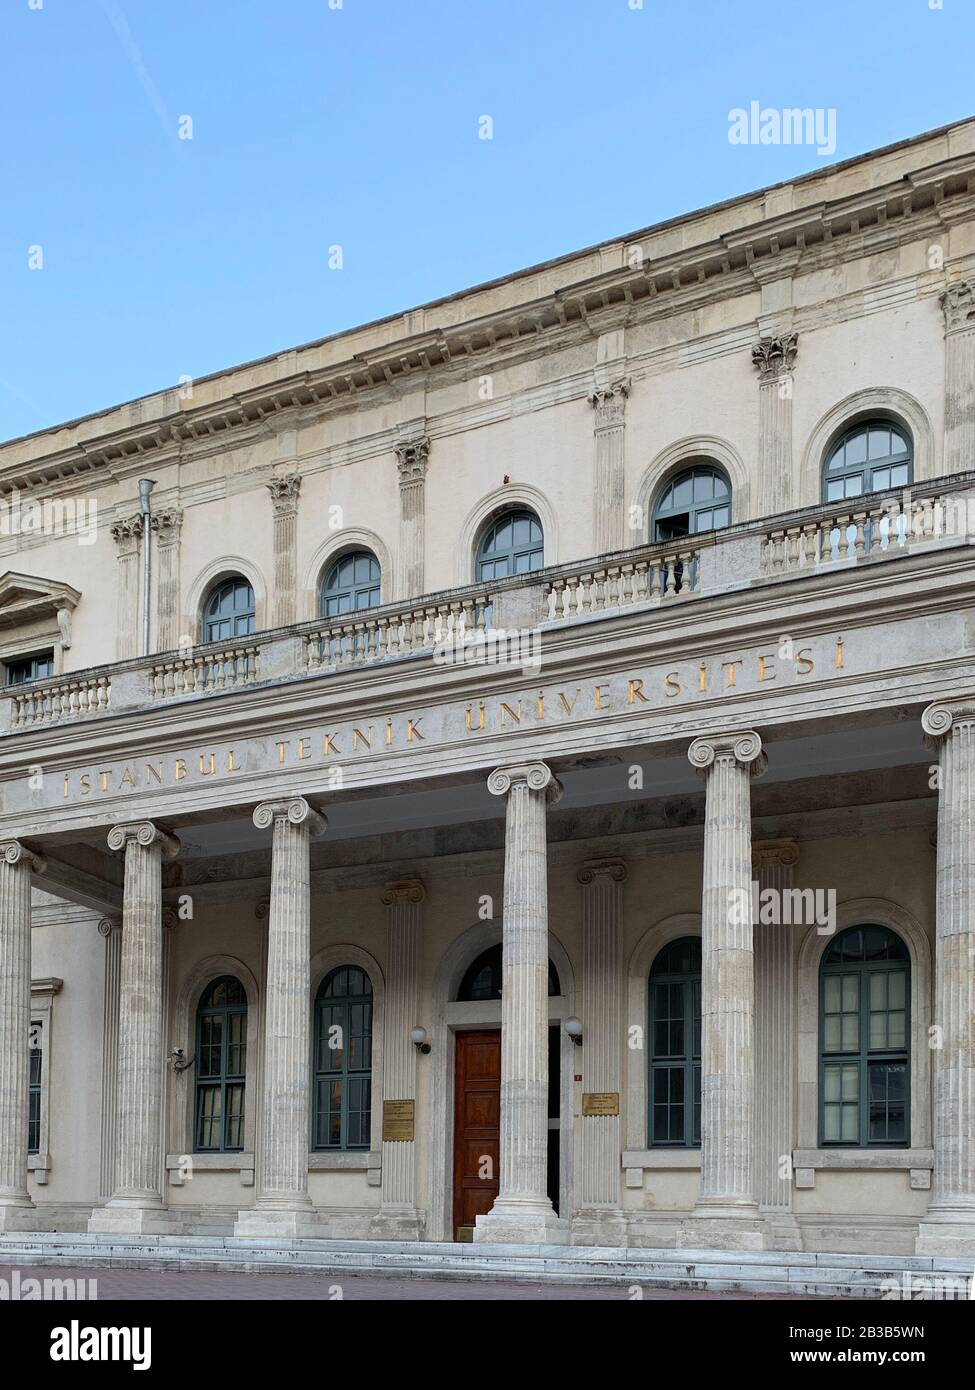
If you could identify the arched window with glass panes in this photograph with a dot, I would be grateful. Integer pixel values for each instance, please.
(870, 456)
(696, 499)
(350, 584)
(864, 1040)
(483, 977)
(343, 1060)
(674, 1057)
(229, 610)
(221, 1067)
(511, 544)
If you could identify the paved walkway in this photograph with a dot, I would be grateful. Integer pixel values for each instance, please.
(151, 1284)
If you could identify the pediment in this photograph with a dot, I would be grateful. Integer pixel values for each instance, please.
(28, 597)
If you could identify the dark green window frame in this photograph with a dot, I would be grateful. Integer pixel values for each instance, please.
(696, 500)
(351, 584)
(221, 1067)
(865, 1040)
(34, 1092)
(870, 456)
(514, 543)
(230, 610)
(343, 1060)
(674, 1046)
(22, 669)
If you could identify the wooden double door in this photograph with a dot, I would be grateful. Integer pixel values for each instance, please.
(477, 1125)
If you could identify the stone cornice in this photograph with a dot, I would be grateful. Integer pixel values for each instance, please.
(884, 213)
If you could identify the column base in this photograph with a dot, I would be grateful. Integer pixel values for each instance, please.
(396, 1223)
(947, 1230)
(513, 1222)
(123, 1219)
(279, 1223)
(598, 1226)
(782, 1230)
(17, 1215)
(715, 1226)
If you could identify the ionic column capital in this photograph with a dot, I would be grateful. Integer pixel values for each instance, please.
(538, 777)
(596, 869)
(946, 716)
(145, 834)
(295, 810)
(774, 854)
(108, 925)
(404, 890)
(744, 747)
(13, 852)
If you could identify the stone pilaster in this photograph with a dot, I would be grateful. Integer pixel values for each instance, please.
(411, 461)
(167, 525)
(949, 1227)
(136, 1205)
(726, 1214)
(398, 1218)
(600, 1220)
(111, 930)
(609, 478)
(285, 489)
(958, 303)
(283, 1205)
(522, 1210)
(128, 628)
(773, 866)
(774, 358)
(17, 863)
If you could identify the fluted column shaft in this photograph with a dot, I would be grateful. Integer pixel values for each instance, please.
(285, 490)
(128, 537)
(522, 1209)
(111, 930)
(411, 458)
(600, 1214)
(140, 1029)
(286, 1105)
(609, 481)
(167, 526)
(727, 988)
(774, 358)
(950, 1224)
(16, 865)
(958, 304)
(403, 901)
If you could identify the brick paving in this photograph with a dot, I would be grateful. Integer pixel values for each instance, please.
(201, 1285)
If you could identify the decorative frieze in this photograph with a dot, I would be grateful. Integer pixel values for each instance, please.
(411, 461)
(285, 489)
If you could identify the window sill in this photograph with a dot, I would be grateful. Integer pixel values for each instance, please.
(40, 1166)
(917, 1162)
(358, 1161)
(241, 1163)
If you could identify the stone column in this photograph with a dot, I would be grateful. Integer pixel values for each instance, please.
(136, 1205)
(111, 930)
(284, 490)
(958, 303)
(609, 478)
(128, 627)
(283, 1205)
(773, 864)
(17, 863)
(398, 1218)
(522, 1210)
(726, 1214)
(774, 358)
(167, 525)
(949, 1226)
(600, 1220)
(411, 460)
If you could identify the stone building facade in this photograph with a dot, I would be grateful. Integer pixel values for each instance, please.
(543, 808)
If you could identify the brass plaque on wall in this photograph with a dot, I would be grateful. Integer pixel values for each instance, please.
(601, 1103)
(398, 1119)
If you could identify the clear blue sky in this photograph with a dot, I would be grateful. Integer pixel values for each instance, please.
(358, 126)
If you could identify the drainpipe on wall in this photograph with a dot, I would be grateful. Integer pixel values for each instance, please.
(145, 488)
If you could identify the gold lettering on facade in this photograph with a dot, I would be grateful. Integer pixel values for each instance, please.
(412, 730)
(600, 1103)
(507, 710)
(671, 684)
(126, 780)
(600, 697)
(729, 666)
(839, 653)
(635, 691)
(211, 770)
(181, 772)
(468, 717)
(330, 745)
(807, 662)
(304, 752)
(763, 657)
(359, 737)
(152, 774)
(564, 702)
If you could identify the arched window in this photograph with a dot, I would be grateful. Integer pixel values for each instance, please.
(675, 1045)
(343, 1059)
(872, 456)
(221, 1064)
(512, 544)
(864, 1032)
(351, 583)
(229, 611)
(482, 979)
(697, 499)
